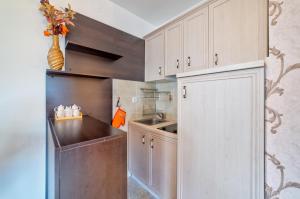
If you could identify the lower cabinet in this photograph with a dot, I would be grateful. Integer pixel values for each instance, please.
(139, 154)
(153, 160)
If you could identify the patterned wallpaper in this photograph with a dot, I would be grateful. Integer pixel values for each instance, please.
(283, 101)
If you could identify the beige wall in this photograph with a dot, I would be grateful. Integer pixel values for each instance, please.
(283, 102)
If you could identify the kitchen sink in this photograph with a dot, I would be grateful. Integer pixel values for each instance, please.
(170, 128)
(151, 121)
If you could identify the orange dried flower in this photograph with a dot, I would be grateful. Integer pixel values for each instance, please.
(47, 33)
(64, 30)
(57, 19)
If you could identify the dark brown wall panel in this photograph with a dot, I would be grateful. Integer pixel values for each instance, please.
(93, 95)
(94, 34)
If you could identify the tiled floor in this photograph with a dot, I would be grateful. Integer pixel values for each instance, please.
(135, 191)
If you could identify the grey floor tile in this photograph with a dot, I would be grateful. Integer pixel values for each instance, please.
(135, 191)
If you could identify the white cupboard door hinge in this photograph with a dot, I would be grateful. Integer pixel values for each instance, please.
(184, 92)
(151, 143)
(177, 65)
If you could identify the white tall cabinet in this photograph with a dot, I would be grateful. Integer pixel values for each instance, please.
(221, 133)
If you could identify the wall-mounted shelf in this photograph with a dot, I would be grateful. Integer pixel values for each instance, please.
(151, 90)
(65, 73)
(70, 45)
(150, 93)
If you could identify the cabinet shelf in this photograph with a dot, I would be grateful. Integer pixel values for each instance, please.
(70, 45)
(50, 72)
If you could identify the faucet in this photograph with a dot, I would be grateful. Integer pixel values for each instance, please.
(160, 116)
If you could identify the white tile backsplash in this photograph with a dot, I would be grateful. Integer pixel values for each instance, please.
(132, 101)
(164, 104)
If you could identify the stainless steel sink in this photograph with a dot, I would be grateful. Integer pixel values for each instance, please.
(151, 121)
(170, 128)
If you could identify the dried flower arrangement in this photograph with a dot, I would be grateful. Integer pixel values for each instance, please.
(57, 19)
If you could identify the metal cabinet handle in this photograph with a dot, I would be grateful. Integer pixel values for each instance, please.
(177, 66)
(216, 59)
(184, 92)
(143, 139)
(189, 61)
(159, 70)
(151, 144)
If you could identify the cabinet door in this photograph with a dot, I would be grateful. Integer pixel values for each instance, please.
(174, 48)
(155, 57)
(221, 147)
(163, 168)
(196, 41)
(235, 31)
(139, 154)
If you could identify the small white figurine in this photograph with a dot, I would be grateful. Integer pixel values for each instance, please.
(76, 110)
(59, 111)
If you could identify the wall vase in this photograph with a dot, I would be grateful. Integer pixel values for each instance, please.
(55, 55)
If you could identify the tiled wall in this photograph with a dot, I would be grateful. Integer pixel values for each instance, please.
(132, 101)
(164, 104)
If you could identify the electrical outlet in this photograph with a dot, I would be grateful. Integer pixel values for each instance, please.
(134, 99)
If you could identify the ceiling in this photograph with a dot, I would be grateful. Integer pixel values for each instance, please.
(156, 12)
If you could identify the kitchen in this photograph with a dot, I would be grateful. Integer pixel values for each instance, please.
(169, 105)
(188, 71)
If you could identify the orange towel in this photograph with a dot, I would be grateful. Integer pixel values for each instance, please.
(119, 118)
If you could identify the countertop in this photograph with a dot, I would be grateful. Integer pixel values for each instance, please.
(154, 128)
(71, 133)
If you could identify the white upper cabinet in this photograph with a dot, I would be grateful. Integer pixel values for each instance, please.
(196, 41)
(174, 47)
(155, 57)
(236, 31)
(218, 33)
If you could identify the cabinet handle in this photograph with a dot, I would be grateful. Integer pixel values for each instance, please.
(177, 66)
(143, 139)
(151, 144)
(189, 61)
(216, 59)
(159, 70)
(184, 92)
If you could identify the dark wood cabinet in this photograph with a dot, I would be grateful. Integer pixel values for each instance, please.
(86, 159)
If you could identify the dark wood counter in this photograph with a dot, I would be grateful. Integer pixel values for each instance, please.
(72, 133)
(87, 159)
